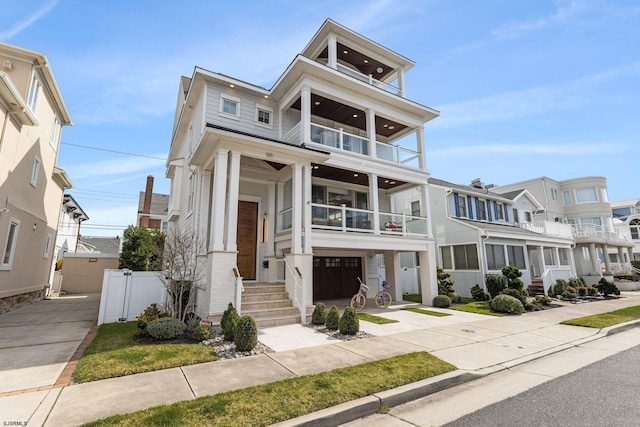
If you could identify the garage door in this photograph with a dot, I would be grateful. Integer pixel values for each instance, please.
(336, 277)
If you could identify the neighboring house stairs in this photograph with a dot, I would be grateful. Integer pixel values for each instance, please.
(268, 304)
(536, 287)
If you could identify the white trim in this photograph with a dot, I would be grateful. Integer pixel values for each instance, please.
(221, 111)
(35, 171)
(12, 250)
(34, 91)
(266, 110)
(55, 133)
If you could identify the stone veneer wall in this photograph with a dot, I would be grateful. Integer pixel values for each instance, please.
(11, 303)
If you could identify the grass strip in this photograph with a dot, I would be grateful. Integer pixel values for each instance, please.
(606, 319)
(428, 312)
(478, 307)
(270, 403)
(375, 319)
(113, 353)
(412, 298)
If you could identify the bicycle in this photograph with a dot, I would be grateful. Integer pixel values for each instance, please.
(359, 300)
(383, 298)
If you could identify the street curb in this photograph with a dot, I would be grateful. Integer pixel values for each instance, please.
(355, 409)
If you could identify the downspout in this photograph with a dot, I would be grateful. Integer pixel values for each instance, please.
(483, 238)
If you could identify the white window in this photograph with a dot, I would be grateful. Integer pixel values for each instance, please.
(527, 216)
(55, 133)
(500, 208)
(34, 91)
(264, 116)
(47, 245)
(586, 195)
(230, 107)
(192, 191)
(35, 171)
(554, 194)
(566, 198)
(10, 244)
(415, 208)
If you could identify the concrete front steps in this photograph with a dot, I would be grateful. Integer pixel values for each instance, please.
(535, 288)
(268, 304)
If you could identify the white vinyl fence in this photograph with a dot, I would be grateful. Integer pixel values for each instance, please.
(126, 293)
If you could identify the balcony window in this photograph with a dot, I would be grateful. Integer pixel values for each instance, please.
(586, 195)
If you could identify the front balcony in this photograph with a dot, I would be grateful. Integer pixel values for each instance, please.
(345, 219)
(368, 78)
(595, 231)
(549, 228)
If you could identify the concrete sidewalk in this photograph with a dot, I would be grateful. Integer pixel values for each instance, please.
(476, 344)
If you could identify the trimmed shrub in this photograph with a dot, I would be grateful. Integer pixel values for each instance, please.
(560, 286)
(607, 288)
(582, 291)
(533, 306)
(592, 291)
(513, 275)
(571, 289)
(349, 323)
(496, 283)
(246, 334)
(228, 322)
(442, 301)
(507, 304)
(478, 293)
(520, 294)
(445, 284)
(544, 300)
(201, 333)
(455, 298)
(568, 294)
(150, 314)
(333, 318)
(166, 328)
(319, 315)
(576, 282)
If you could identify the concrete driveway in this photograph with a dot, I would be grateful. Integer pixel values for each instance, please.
(37, 341)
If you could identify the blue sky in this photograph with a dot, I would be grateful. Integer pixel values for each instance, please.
(525, 89)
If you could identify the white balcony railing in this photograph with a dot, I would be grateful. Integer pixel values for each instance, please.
(595, 231)
(339, 139)
(368, 79)
(548, 228)
(397, 154)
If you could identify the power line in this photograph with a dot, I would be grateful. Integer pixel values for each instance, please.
(103, 192)
(113, 151)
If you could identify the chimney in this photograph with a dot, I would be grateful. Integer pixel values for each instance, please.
(477, 183)
(146, 207)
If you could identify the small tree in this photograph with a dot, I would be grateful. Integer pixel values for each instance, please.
(141, 249)
(183, 271)
(445, 284)
(496, 283)
(513, 275)
(228, 322)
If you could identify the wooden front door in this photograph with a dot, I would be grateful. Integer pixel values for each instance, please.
(247, 239)
(336, 277)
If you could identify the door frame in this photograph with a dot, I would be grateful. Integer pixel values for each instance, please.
(259, 244)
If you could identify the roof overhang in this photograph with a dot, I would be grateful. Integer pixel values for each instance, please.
(61, 178)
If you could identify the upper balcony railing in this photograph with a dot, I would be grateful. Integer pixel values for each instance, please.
(342, 218)
(548, 228)
(596, 231)
(368, 79)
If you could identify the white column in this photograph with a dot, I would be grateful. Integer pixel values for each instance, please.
(401, 83)
(425, 207)
(271, 217)
(232, 204)
(306, 207)
(218, 201)
(605, 255)
(374, 202)
(557, 256)
(421, 148)
(332, 52)
(205, 204)
(541, 259)
(371, 132)
(595, 264)
(296, 211)
(279, 204)
(572, 262)
(305, 114)
(621, 260)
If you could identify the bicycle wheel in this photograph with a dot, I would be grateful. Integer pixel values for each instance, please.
(383, 299)
(358, 301)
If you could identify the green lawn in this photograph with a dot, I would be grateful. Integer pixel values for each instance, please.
(113, 353)
(606, 319)
(290, 398)
(375, 319)
(478, 307)
(412, 298)
(428, 312)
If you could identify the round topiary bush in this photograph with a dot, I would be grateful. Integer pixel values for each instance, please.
(349, 323)
(455, 298)
(228, 322)
(333, 318)
(201, 333)
(478, 293)
(518, 294)
(319, 315)
(442, 301)
(166, 328)
(507, 304)
(246, 334)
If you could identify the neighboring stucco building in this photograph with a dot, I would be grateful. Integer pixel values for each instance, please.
(600, 249)
(32, 113)
(626, 220)
(304, 173)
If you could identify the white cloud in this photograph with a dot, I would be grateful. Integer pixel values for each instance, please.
(28, 21)
(125, 167)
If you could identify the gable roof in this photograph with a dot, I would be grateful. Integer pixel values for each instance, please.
(159, 204)
(467, 189)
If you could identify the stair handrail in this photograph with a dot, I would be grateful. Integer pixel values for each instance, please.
(635, 270)
(238, 290)
(300, 290)
(546, 280)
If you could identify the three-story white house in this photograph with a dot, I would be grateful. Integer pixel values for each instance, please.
(297, 183)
